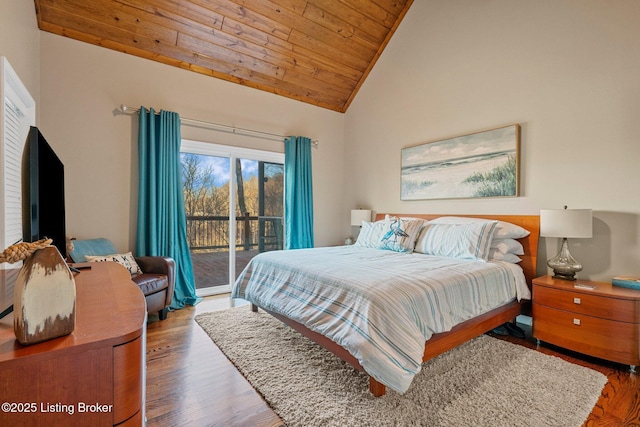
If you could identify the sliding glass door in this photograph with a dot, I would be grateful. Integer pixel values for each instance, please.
(234, 202)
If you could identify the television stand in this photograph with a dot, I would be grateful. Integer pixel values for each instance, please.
(95, 375)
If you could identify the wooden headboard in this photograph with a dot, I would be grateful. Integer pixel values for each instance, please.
(530, 243)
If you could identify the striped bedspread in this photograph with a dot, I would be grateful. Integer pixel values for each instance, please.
(379, 305)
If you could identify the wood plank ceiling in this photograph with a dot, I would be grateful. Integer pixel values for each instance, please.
(315, 51)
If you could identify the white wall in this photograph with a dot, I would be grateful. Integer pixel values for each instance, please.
(81, 87)
(567, 71)
(20, 42)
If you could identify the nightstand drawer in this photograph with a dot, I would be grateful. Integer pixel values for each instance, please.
(623, 310)
(606, 339)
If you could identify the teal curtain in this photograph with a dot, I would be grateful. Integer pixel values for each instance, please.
(162, 223)
(298, 193)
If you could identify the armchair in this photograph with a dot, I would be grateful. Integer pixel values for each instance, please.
(155, 276)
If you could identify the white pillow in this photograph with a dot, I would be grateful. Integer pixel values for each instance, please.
(370, 234)
(465, 241)
(400, 234)
(507, 246)
(127, 260)
(504, 230)
(508, 257)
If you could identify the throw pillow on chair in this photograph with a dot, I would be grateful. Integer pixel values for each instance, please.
(154, 275)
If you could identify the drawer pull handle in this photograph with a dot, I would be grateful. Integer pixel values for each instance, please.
(576, 322)
(577, 301)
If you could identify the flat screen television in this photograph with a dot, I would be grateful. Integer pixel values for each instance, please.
(43, 208)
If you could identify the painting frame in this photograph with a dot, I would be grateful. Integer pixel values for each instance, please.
(481, 164)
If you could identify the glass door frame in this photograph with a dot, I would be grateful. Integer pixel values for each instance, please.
(232, 153)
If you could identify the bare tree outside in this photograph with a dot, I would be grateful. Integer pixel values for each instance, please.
(259, 203)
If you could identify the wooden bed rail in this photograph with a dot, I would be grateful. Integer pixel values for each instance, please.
(436, 345)
(442, 342)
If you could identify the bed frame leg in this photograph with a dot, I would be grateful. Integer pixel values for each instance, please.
(376, 388)
(254, 308)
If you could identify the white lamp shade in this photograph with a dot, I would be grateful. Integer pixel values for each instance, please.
(359, 215)
(569, 223)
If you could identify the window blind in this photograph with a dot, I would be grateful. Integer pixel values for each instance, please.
(13, 146)
(17, 114)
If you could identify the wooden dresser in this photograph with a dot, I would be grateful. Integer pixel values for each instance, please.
(94, 376)
(593, 318)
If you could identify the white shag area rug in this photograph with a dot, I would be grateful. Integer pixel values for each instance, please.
(484, 382)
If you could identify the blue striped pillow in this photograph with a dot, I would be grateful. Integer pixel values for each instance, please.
(370, 234)
(465, 241)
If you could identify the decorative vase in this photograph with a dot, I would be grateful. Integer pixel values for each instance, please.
(44, 298)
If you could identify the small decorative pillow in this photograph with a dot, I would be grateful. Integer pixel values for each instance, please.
(127, 260)
(507, 246)
(370, 234)
(465, 241)
(400, 234)
(495, 255)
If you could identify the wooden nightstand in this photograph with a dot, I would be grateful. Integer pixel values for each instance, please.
(593, 318)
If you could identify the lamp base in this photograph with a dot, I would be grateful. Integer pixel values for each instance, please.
(564, 265)
(564, 276)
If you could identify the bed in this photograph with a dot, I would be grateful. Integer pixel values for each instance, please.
(387, 311)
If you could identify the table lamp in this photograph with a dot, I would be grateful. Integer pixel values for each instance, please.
(565, 223)
(359, 215)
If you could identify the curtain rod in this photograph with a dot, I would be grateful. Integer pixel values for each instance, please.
(219, 127)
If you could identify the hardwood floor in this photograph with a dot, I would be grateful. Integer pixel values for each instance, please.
(190, 381)
(619, 403)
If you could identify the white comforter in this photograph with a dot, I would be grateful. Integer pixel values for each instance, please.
(379, 305)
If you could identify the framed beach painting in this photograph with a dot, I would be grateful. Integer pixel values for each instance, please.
(481, 164)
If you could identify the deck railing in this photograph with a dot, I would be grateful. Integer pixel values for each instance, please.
(211, 233)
